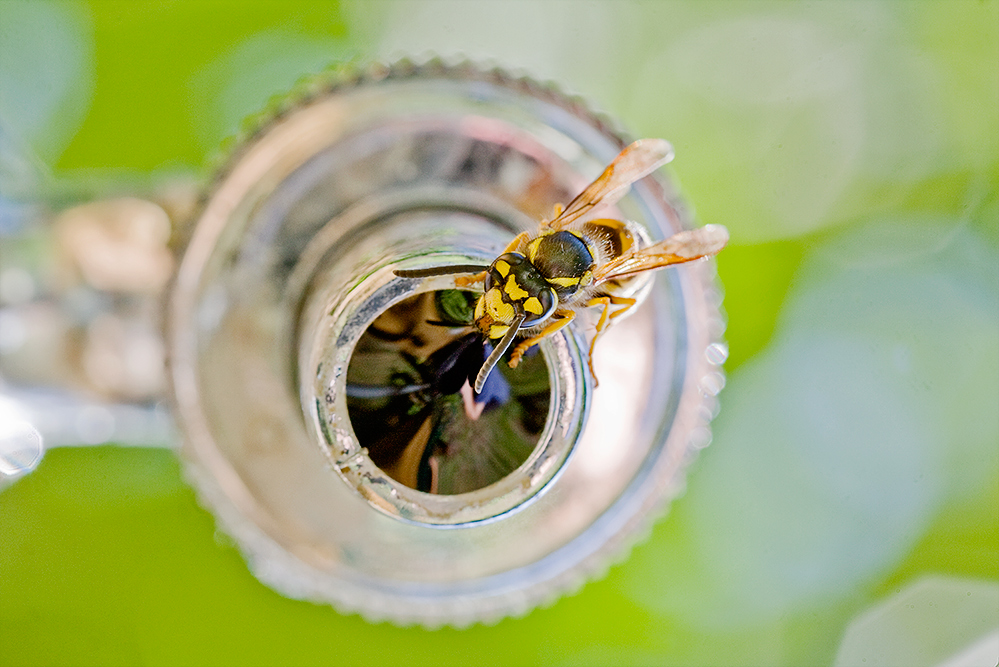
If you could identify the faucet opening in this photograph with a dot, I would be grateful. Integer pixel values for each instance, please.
(411, 404)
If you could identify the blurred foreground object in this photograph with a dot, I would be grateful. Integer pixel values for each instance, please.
(935, 622)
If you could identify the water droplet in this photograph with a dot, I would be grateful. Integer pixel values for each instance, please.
(717, 353)
(20, 447)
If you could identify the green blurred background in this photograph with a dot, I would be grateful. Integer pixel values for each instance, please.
(852, 149)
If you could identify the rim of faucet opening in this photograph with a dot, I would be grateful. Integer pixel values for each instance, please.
(463, 605)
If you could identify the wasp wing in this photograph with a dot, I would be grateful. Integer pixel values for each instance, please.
(637, 160)
(682, 247)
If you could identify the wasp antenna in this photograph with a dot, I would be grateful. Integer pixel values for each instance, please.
(441, 270)
(497, 352)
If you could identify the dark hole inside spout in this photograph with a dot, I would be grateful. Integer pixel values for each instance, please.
(411, 405)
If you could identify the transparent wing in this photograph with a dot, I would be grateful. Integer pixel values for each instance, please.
(637, 160)
(683, 247)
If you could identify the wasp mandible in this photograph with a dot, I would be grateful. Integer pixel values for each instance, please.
(535, 286)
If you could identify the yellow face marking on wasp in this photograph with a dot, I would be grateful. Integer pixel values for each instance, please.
(500, 310)
(502, 266)
(498, 330)
(567, 281)
(515, 291)
(533, 306)
(532, 249)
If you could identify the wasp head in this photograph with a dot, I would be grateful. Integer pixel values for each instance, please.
(514, 293)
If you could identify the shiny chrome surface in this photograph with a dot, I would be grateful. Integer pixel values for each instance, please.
(288, 262)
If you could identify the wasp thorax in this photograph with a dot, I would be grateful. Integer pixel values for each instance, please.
(564, 259)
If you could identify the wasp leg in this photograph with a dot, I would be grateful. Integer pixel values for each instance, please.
(606, 302)
(468, 281)
(556, 212)
(517, 241)
(563, 317)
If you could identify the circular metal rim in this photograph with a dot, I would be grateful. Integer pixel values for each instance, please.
(281, 570)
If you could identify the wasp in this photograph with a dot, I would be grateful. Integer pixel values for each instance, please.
(537, 284)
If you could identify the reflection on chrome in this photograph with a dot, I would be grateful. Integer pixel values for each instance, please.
(411, 404)
(323, 401)
(20, 444)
